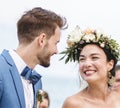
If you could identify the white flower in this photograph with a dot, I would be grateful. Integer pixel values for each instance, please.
(70, 43)
(89, 37)
(102, 45)
(99, 32)
(74, 36)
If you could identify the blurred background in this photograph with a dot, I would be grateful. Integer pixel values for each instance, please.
(60, 80)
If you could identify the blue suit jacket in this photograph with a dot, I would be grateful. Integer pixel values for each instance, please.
(11, 88)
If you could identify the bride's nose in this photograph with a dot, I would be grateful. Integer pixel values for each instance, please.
(88, 63)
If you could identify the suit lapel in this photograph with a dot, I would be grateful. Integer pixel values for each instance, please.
(18, 86)
(16, 78)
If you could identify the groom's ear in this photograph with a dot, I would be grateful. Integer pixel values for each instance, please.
(42, 39)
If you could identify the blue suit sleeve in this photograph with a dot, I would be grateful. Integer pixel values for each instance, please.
(1, 86)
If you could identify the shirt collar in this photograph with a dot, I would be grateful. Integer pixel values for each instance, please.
(20, 64)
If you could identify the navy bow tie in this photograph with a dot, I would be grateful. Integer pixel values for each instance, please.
(30, 75)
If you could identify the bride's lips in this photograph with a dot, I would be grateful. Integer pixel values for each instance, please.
(89, 72)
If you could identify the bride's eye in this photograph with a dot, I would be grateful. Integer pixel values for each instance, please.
(95, 58)
(81, 59)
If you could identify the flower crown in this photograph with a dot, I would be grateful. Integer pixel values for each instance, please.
(77, 38)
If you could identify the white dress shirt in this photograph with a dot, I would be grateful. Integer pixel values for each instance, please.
(27, 86)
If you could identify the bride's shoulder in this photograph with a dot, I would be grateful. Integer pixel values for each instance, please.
(74, 101)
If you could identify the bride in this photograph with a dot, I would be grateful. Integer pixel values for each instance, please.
(97, 55)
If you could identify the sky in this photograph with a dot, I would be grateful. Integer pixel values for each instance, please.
(102, 14)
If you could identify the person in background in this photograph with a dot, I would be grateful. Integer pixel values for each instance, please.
(97, 55)
(116, 84)
(38, 33)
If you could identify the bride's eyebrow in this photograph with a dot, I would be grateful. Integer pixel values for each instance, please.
(91, 54)
(95, 54)
(81, 56)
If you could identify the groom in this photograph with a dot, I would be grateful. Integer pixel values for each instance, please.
(38, 34)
